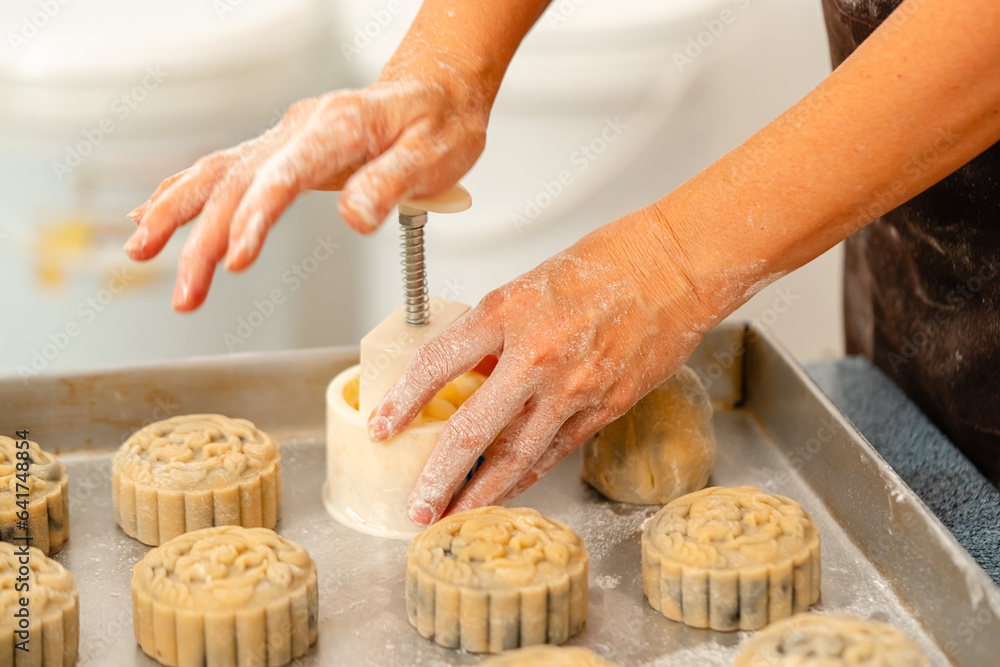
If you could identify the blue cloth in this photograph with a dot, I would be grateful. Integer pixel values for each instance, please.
(961, 497)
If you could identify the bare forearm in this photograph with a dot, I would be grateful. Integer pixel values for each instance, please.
(588, 332)
(918, 99)
(470, 43)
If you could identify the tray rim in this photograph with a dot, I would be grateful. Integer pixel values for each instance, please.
(980, 587)
(736, 389)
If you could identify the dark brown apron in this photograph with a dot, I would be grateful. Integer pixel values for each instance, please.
(922, 283)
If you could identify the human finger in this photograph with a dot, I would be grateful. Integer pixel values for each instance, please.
(206, 245)
(466, 435)
(573, 433)
(136, 213)
(413, 166)
(178, 199)
(454, 351)
(509, 458)
(283, 176)
(181, 199)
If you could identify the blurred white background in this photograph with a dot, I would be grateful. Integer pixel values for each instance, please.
(99, 101)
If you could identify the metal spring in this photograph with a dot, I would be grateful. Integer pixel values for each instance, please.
(414, 275)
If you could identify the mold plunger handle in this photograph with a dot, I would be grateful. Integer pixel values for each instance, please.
(453, 200)
(412, 218)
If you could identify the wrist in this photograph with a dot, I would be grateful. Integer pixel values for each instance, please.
(464, 47)
(726, 265)
(465, 84)
(657, 272)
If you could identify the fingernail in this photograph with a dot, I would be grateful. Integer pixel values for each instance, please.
(255, 225)
(421, 514)
(521, 487)
(181, 293)
(137, 241)
(138, 210)
(235, 253)
(364, 208)
(378, 429)
(253, 235)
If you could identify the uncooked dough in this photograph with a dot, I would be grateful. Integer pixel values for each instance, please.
(730, 559)
(659, 450)
(493, 578)
(195, 471)
(547, 656)
(53, 610)
(440, 408)
(47, 499)
(816, 640)
(226, 597)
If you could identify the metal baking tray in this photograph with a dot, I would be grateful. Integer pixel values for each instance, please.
(885, 556)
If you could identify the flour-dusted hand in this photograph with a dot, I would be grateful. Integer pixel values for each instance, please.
(579, 340)
(411, 135)
(381, 144)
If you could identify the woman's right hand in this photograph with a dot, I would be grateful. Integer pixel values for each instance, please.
(394, 140)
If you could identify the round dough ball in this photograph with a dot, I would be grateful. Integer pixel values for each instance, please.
(830, 641)
(661, 449)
